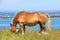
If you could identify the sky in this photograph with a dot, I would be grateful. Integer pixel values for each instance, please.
(29, 5)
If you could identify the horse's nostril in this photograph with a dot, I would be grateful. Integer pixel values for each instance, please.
(13, 31)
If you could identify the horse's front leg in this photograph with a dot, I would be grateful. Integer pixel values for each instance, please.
(22, 27)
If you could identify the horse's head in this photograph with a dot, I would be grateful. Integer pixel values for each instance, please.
(12, 28)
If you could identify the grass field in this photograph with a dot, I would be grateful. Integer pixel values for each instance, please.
(5, 34)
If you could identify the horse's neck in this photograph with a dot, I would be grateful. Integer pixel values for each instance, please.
(14, 23)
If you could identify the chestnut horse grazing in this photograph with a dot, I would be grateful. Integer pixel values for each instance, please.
(30, 18)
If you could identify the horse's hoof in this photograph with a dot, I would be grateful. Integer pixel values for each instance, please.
(44, 33)
(22, 33)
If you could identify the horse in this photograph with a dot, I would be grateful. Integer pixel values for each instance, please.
(30, 18)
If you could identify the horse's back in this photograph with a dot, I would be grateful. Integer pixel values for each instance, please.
(30, 17)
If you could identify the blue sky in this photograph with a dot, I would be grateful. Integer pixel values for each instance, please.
(29, 5)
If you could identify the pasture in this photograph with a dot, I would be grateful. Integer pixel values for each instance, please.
(6, 34)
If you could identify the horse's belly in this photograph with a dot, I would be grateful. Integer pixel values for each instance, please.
(31, 20)
(31, 24)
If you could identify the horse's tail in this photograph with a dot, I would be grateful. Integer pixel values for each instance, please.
(49, 21)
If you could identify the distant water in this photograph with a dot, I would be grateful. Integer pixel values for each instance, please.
(5, 22)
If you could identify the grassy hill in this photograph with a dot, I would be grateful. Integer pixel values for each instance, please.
(6, 34)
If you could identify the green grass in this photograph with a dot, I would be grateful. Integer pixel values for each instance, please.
(5, 34)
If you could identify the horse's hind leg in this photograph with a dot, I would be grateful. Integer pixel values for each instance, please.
(43, 28)
(22, 27)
